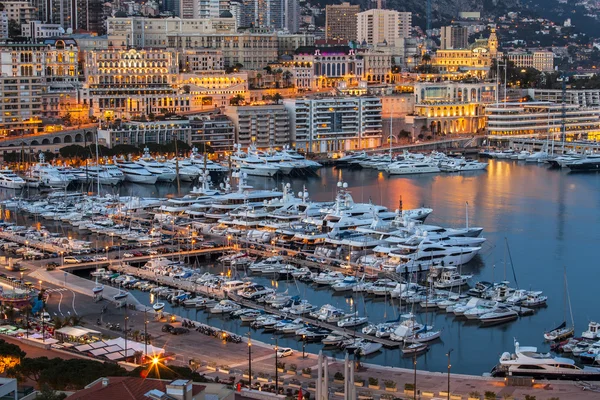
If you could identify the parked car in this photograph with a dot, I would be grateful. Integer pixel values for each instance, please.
(284, 352)
(71, 260)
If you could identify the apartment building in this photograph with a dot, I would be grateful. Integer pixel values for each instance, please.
(138, 133)
(539, 59)
(217, 131)
(262, 126)
(340, 22)
(377, 27)
(321, 125)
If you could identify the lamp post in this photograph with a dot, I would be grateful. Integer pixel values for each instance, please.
(249, 360)
(40, 282)
(276, 372)
(145, 333)
(106, 248)
(449, 366)
(303, 346)
(415, 378)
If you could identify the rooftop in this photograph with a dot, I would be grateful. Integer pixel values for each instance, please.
(125, 388)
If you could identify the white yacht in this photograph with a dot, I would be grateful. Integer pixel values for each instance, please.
(249, 164)
(202, 162)
(104, 176)
(163, 172)
(136, 173)
(10, 180)
(526, 361)
(46, 174)
(412, 167)
(450, 278)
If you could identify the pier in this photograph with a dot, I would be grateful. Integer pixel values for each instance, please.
(32, 243)
(221, 294)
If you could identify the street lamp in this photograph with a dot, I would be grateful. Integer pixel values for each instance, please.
(303, 346)
(40, 282)
(449, 366)
(145, 333)
(415, 379)
(106, 248)
(249, 360)
(276, 372)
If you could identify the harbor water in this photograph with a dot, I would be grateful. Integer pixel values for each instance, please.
(537, 220)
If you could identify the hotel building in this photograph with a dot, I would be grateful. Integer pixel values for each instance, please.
(322, 125)
(217, 131)
(543, 119)
(133, 83)
(581, 97)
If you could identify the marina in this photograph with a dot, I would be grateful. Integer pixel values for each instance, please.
(490, 263)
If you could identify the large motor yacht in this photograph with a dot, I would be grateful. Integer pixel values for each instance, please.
(163, 172)
(526, 361)
(10, 180)
(136, 173)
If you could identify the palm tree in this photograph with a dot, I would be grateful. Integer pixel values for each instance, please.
(287, 76)
(73, 320)
(258, 78)
(237, 100)
(58, 322)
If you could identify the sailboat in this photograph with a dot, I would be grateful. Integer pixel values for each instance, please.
(563, 331)
(121, 295)
(98, 288)
(427, 334)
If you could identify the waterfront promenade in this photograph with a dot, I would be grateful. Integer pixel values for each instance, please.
(233, 358)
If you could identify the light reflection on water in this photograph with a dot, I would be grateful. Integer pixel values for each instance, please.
(548, 217)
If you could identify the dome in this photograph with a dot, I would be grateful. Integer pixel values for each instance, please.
(226, 14)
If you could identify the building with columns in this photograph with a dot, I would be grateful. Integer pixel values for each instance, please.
(452, 107)
(133, 83)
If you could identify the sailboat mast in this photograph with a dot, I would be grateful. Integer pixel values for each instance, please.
(97, 166)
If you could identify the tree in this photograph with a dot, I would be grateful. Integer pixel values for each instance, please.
(10, 355)
(67, 119)
(258, 79)
(186, 88)
(277, 97)
(14, 29)
(58, 322)
(30, 368)
(237, 100)
(287, 77)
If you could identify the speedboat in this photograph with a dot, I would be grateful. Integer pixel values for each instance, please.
(158, 306)
(365, 348)
(352, 321)
(345, 284)
(526, 361)
(121, 295)
(499, 316)
(414, 348)
(593, 331)
(334, 338)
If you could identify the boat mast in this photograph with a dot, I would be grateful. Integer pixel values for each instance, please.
(97, 166)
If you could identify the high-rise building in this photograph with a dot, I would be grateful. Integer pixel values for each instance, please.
(405, 22)
(20, 11)
(89, 16)
(291, 19)
(379, 26)
(454, 37)
(340, 21)
(378, 4)
(335, 124)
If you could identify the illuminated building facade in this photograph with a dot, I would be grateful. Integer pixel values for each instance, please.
(541, 60)
(322, 125)
(133, 83)
(215, 89)
(474, 60)
(139, 133)
(325, 66)
(28, 72)
(196, 60)
(383, 26)
(217, 131)
(452, 107)
(581, 97)
(264, 126)
(340, 21)
(543, 119)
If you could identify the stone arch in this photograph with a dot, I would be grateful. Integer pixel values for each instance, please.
(89, 136)
(56, 140)
(34, 143)
(46, 141)
(78, 138)
(68, 139)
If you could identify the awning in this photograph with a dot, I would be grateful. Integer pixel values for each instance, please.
(76, 331)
